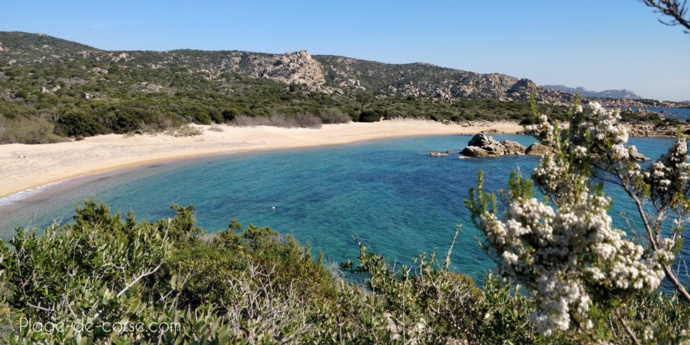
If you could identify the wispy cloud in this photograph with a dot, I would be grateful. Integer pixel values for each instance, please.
(98, 26)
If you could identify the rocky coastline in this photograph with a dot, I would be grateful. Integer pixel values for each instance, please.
(482, 145)
(658, 130)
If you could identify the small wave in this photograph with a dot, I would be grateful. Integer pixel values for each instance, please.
(25, 194)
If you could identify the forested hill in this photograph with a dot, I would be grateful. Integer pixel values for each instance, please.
(52, 88)
(326, 74)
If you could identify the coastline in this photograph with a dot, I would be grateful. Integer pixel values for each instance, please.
(31, 167)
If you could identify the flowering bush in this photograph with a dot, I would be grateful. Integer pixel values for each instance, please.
(564, 248)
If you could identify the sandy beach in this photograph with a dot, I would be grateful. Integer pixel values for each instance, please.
(29, 166)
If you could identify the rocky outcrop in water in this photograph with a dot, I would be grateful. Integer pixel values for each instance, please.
(513, 147)
(437, 154)
(482, 145)
(538, 149)
(636, 156)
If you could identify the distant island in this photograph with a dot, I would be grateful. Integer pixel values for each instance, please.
(618, 94)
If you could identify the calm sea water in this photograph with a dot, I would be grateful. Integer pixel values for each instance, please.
(390, 194)
(675, 113)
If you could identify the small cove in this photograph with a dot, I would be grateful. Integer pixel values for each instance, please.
(387, 193)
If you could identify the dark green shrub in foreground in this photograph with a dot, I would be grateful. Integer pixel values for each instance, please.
(251, 285)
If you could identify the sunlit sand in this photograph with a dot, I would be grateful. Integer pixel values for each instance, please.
(24, 167)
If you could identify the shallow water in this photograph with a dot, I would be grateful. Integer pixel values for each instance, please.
(390, 194)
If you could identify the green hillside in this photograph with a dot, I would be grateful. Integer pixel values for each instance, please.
(52, 89)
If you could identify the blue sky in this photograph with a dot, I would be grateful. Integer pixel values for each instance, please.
(598, 44)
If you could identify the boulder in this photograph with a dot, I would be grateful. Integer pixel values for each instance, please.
(538, 149)
(496, 149)
(437, 154)
(636, 156)
(474, 151)
(513, 147)
(481, 140)
(482, 145)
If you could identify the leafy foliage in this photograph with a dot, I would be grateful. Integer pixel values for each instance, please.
(105, 278)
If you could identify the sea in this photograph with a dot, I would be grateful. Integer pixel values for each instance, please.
(389, 194)
(682, 114)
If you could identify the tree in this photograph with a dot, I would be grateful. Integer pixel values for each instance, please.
(673, 9)
(564, 248)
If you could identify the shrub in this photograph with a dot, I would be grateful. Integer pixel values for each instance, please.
(78, 123)
(308, 121)
(27, 131)
(187, 131)
(333, 115)
(370, 116)
(216, 116)
(200, 116)
(230, 114)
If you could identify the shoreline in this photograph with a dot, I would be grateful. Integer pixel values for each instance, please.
(27, 168)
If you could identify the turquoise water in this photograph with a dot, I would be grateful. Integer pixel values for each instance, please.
(388, 193)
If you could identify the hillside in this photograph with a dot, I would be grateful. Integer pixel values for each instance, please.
(53, 88)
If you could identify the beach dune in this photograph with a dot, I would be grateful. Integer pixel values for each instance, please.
(25, 167)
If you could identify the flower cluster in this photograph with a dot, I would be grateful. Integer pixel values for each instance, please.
(563, 256)
(556, 177)
(564, 249)
(568, 253)
(607, 137)
(670, 175)
(542, 130)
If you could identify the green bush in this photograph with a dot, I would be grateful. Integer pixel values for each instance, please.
(230, 114)
(216, 116)
(334, 115)
(78, 123)
(251, 285)
(27, 131)
(370, 116)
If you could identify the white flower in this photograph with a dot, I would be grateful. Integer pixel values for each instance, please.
(580, 151)
(510, 258)
(563, 250)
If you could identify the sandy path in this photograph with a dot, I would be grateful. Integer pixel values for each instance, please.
(24, 167)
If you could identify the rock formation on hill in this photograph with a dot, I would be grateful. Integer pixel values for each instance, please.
(296, 68)
(322, 73)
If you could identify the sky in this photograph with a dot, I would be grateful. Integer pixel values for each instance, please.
(596, 44)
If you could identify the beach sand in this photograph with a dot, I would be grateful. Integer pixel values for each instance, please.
(25, 167)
